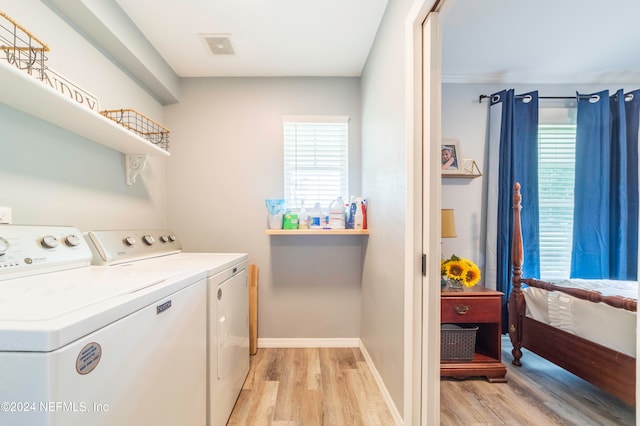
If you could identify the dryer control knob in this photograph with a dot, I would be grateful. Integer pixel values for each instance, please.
(172, 238)
(148, 240)
(164, 239)
(72, 240)
(129, 241)
(4, 246)
(49, 241)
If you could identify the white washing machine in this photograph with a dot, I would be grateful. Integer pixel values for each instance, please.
(227, 302)
(83, 344)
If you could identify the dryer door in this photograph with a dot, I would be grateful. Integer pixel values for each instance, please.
(232, 309)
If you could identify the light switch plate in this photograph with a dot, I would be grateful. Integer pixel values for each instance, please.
(5, 215)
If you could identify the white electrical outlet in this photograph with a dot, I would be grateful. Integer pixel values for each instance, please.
(5, 215)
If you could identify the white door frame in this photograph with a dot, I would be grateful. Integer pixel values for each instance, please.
(422, 308)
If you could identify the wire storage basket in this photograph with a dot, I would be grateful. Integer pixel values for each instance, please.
(141, 125)
(457, 343)
(21, 48)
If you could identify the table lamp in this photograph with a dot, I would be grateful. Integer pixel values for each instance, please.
(447, 230)
(447, 224)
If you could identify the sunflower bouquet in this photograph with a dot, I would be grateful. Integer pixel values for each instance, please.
(460, 270)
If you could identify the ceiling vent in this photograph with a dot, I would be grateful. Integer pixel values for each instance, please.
(218, 44)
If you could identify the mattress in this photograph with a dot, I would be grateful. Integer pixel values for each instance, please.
(600, 323)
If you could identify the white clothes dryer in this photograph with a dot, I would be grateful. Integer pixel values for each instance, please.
(83, 344)
(227, 302)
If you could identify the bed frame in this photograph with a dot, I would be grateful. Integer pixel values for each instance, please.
(605, 368)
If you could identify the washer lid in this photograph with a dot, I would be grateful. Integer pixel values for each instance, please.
(211, 263)
(45, 297)
(46, 312)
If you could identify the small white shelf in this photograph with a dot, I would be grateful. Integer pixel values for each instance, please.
(27, 94)
(291, 232)
(469, 169)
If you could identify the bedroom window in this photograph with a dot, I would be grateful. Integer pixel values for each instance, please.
(556, 167)
(316, 166)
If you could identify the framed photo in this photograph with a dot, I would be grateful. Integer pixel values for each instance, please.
(451, 157)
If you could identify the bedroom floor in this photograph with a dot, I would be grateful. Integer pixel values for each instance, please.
(538, 393)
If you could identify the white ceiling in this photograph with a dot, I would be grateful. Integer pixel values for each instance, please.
(500, 41)
(541, 41)
(270, 38)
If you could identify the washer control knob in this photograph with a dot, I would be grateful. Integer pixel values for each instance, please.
(164, 239)
(129, 241)
(148, 240)
(172, 238)
(4, 246)
(72, 240)
(49, 241)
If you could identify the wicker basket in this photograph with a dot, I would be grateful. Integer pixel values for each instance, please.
(457, 343)
(141, 125)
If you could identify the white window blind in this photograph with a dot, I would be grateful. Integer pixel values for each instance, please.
(556, 167)
(316, 163)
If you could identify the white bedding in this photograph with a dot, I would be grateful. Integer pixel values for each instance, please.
(597, 322)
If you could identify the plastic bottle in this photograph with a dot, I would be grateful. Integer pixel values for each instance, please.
(351, 212)
(303, 217)
(359, 221)
(315, 219)
(346, 216)
(336, 214)
(364, 214)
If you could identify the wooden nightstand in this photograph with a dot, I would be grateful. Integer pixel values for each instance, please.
(479, 307)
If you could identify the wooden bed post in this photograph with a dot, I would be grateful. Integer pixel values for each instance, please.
(516, 299)
(604, 367)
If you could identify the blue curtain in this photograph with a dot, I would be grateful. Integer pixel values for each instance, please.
(517, 161)
(632, 112)
(605, 225)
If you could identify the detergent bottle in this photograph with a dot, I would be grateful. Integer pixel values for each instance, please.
(315, 219)
(336, 214)
(351, 212)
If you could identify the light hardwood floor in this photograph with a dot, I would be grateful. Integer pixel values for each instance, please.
(538, 393)
(317, 386)
(334, 386)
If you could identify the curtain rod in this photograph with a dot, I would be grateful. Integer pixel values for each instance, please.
(481, 97)
(593, 97)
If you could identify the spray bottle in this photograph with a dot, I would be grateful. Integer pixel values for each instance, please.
(360, 216)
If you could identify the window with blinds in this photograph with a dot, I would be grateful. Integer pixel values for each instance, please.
(556, 167)
(316, 163)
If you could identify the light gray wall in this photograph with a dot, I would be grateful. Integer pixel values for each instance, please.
(50, 176)
(227, 159)
(383, 182)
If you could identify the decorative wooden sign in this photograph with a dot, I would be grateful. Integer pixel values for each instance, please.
(71, 90)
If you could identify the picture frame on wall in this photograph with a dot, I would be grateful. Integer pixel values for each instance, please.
(451, 157)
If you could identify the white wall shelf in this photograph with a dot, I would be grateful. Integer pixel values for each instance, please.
(27, 94)
(291, 232)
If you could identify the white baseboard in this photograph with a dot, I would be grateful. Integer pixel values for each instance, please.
(309, 343)
(397, 418)
(338, 343)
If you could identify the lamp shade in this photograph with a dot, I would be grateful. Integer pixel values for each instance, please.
(448, 224)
